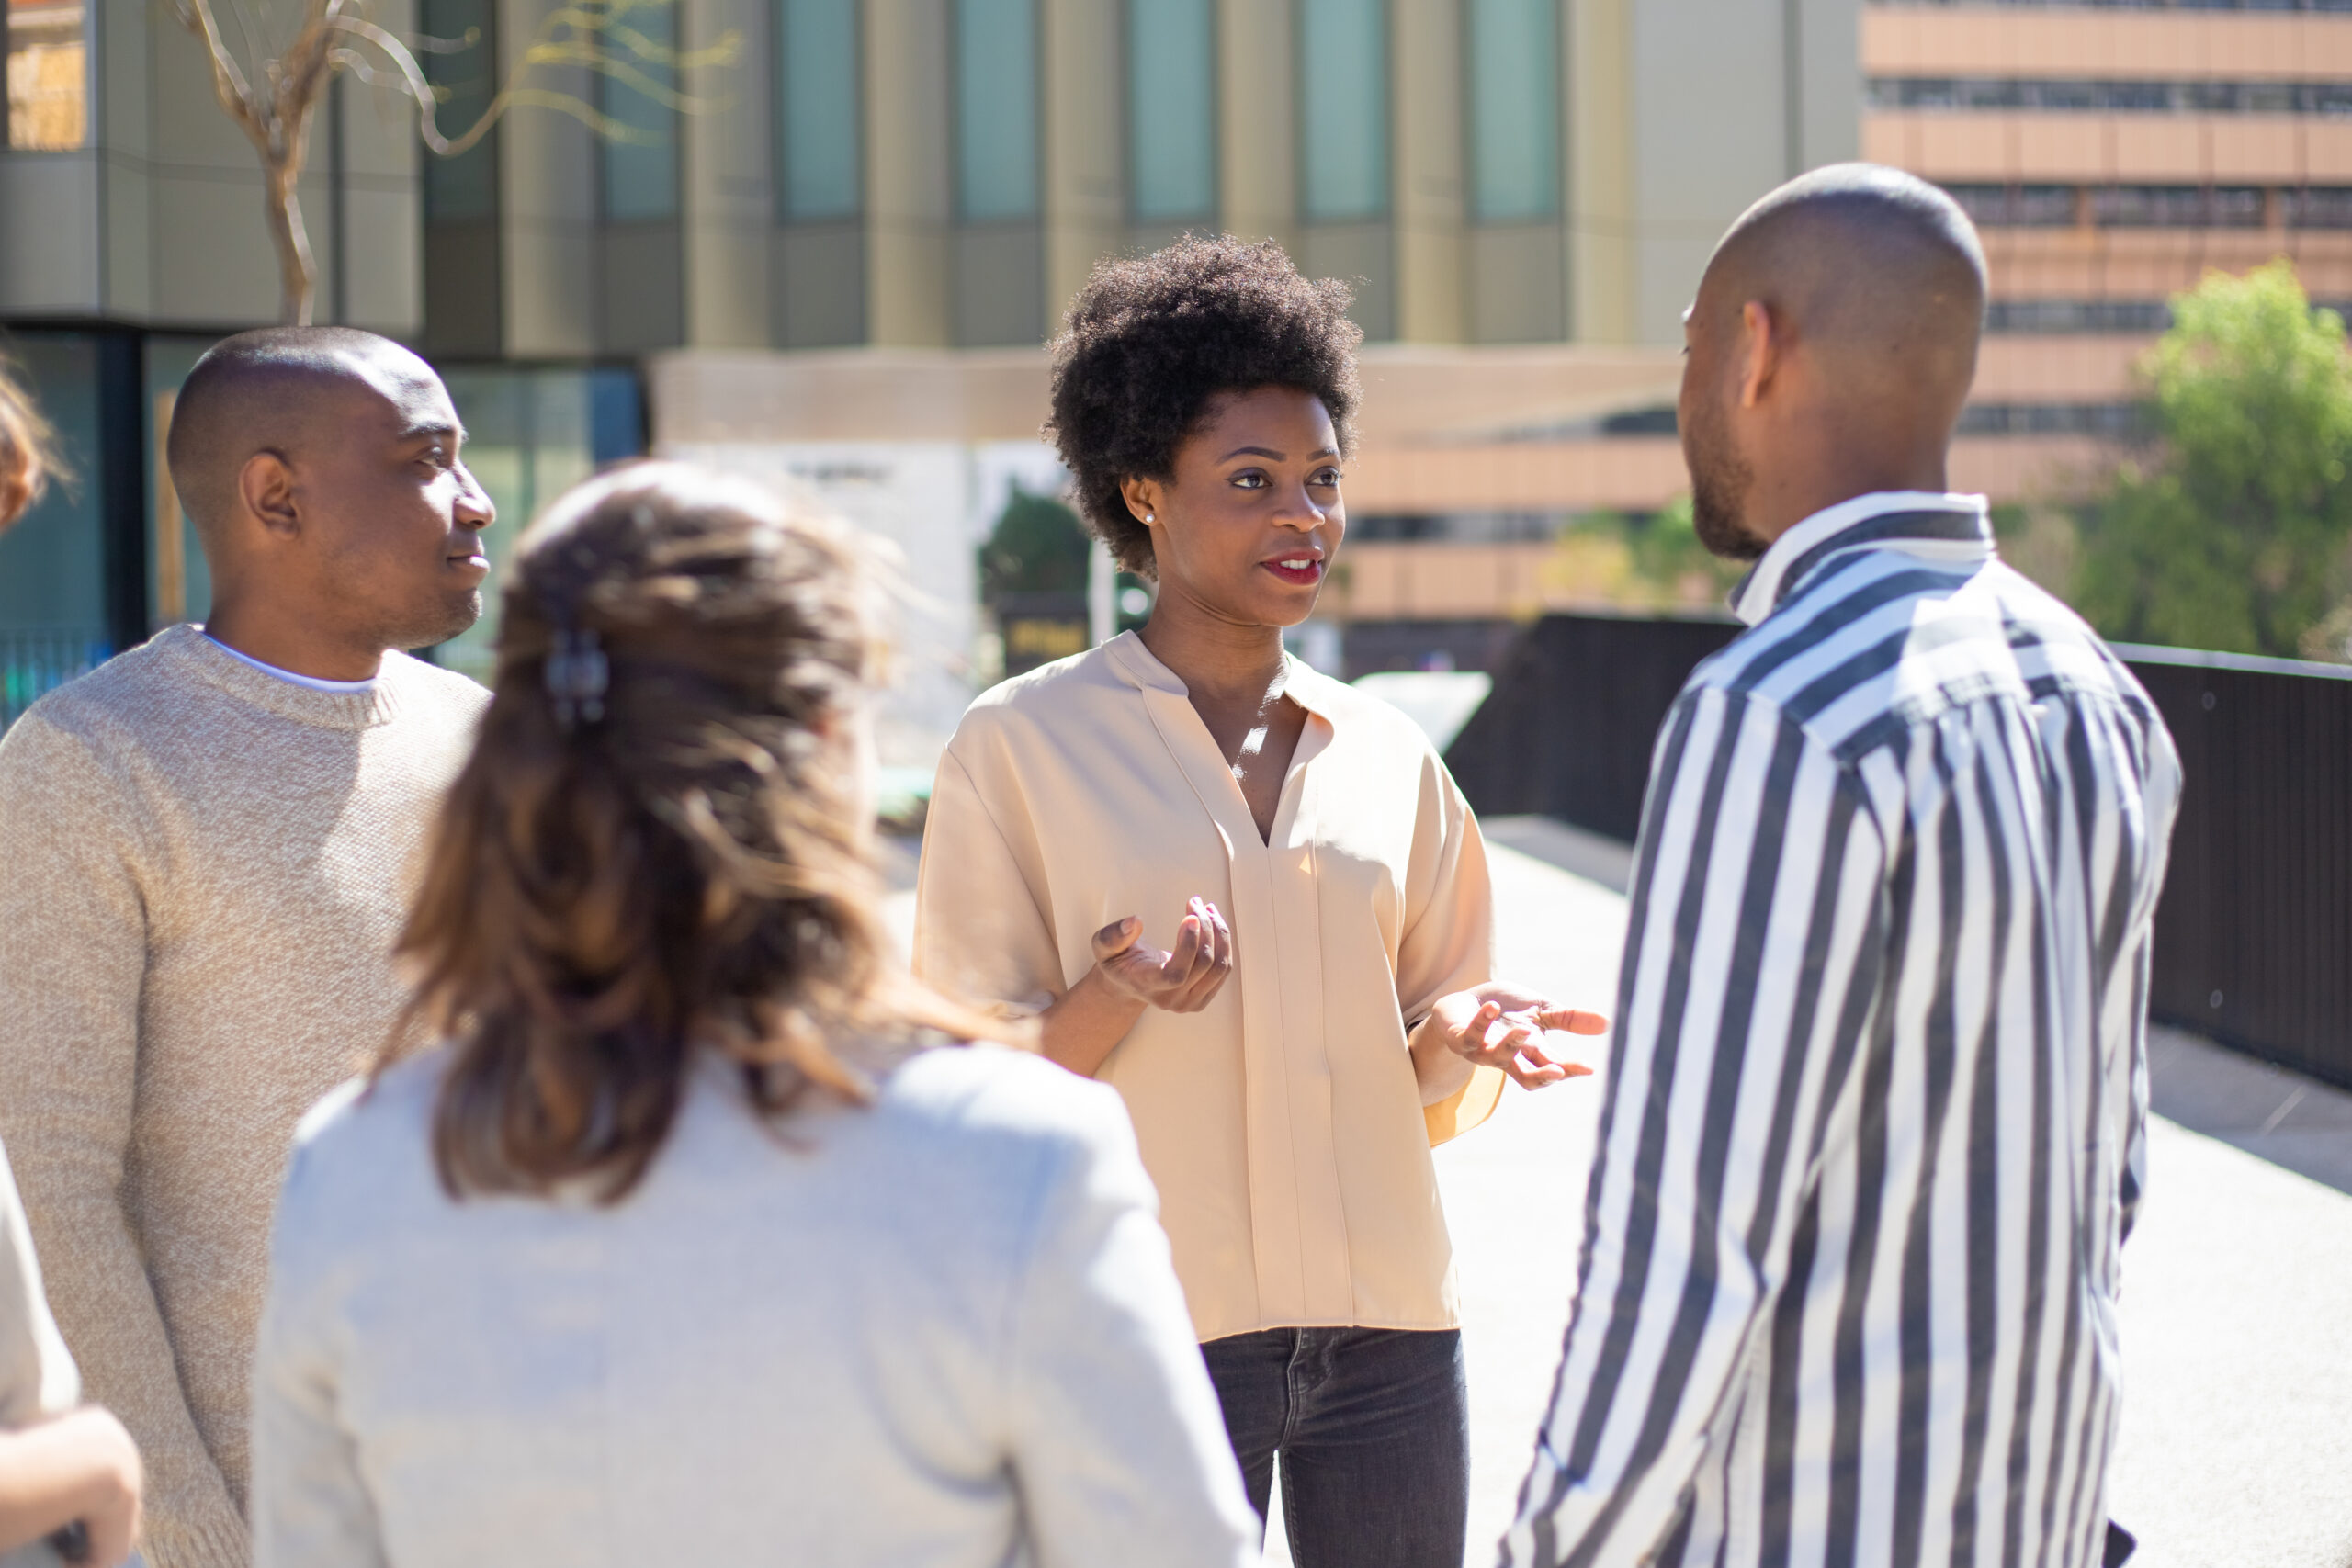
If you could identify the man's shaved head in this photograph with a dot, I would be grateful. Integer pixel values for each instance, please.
(1862, 288)
(277, 389)
(321, 467)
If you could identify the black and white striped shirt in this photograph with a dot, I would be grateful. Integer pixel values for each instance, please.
(1872, 1133)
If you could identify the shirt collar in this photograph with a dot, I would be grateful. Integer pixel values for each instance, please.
(1141, 668)
(218, 665)
(1944, 524)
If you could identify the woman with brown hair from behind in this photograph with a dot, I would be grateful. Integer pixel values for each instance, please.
(694, 1242)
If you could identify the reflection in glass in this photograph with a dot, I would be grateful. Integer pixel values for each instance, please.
(1343, 109)
(817, 78)
(1171, 110)
(49, 75)
(1514, 58)
(530, 435)
(641, 150)
(996, 109)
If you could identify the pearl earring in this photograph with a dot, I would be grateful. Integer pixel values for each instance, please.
(1147, 516)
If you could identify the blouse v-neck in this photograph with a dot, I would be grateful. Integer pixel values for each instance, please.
(1189, 739)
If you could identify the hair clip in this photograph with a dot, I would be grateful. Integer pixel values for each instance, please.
(578, 675)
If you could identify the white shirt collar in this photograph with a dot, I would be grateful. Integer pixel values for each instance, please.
(340, 688)
(1762, 590)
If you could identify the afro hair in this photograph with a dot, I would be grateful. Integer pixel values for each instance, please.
(1151, 342)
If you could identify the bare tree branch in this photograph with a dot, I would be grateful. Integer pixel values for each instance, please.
(332, 36)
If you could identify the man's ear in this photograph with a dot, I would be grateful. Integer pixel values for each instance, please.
(265, 489)
(1761, 344)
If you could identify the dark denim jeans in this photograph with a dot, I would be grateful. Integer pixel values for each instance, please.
(1374, 1428)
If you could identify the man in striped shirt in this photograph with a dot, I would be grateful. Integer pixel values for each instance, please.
(1873, 1125)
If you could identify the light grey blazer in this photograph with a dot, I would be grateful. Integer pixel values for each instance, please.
(939, 1330)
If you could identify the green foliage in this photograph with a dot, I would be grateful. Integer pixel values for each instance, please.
(1038, 547)
(2234, 537)
(1667, 551)
(1653, 562)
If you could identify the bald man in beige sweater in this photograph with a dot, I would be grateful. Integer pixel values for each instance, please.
(208, 843)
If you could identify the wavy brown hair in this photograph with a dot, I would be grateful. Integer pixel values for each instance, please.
(675, 864)
(28, 450)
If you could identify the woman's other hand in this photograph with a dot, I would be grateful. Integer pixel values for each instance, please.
(1502, 1025)
(79, 1468)
(1085, 1026)
(1183, 979)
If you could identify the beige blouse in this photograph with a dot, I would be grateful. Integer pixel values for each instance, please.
(1283, 1124)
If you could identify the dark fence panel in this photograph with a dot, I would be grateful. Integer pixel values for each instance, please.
(2253, 938)
(1577, 704)
(2253, 935)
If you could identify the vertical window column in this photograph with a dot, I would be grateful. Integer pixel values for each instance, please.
(1518, 279)
(1344, 153)
(820, 278)
(640, 144)
(998, 287)
(642, 301)
(464, 283)
(817, 111)
(1171, 115)
(1514, 110)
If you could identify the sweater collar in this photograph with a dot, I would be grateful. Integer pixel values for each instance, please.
(187, 648)
(1942, 524)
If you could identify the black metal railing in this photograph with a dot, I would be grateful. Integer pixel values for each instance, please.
(2254, 936)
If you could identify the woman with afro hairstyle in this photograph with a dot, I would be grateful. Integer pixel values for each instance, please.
(1248, 897)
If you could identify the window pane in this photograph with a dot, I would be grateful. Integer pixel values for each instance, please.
(818, 77)
(529, 436)
(48, 75)
(465, 186)
(1171, 108)
(1343, 109)
(641, 155)
(1514, 109)
(996, 109)
(179, 579)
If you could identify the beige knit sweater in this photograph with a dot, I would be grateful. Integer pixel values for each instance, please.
(205, 867)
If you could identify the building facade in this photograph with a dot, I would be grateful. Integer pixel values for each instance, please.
(798, 227)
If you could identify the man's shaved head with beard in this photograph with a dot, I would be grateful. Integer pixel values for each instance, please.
(321, 467)
(1830, 348)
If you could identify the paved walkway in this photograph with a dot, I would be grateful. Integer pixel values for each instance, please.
(2236, 1449)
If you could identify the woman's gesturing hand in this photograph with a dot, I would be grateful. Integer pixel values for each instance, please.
(1183, 979)
(1082, 1027)
(1502, 1025)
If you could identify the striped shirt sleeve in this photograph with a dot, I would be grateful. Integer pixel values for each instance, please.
(1758, 934)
